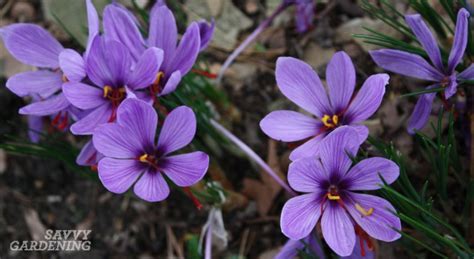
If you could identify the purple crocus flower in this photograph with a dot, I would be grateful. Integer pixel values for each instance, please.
(121, 25)
(33, 45)
(300, 83)
(413, 65)
(329, 182)
(114, 77)
(130, 151)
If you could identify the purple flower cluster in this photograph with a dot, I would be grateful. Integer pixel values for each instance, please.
(413, 65)
(108, 92)
(322, 167)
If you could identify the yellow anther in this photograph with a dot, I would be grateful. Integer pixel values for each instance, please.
(143, 158)
(333, 197)
(325, 121)
(107, 90)
(159, 76)
(364, 211)
(64, 79)
(329, 121)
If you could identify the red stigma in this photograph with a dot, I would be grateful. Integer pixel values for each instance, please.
(196, 202)
(204, 73)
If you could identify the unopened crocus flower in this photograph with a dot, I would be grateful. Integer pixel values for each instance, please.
(133, 157)
(114, 77)
(300, 83)
(329, 183)
(304, 14)
(89, 156)
(413, 65)
(120, 25)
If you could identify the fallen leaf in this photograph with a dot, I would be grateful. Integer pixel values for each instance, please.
(265, 191)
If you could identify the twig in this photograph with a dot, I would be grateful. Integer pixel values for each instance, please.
(252, 155)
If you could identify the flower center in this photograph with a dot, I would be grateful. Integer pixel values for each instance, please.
(64, 78)
(445, 81)
(149, 159)
(330, 121)
(116, 95)
(155, 87)
(333, 194)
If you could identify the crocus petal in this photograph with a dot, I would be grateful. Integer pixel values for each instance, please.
(426, 39)
(381, 223)
(92, 25)
(405, 63)
(336, 148)
(362, 131)
(88, 155)
(116, 141)
(299, 83)
(307, 175)
(140, 119)
(309, 148)
(42, 82)
(467, 74)
(299, 215)
(341, 78)
(118, 175)
(206, 31)
(421, 113)
(338, 230)
(171, 83)
(293, 247)
(187, 169)
(460, 40)
(146, 69)
(49, 106)
(290, 249)
(152, 187)
(32, 45)
(98, 116)
(366, 175)
(83, 96)
(163, 31)
(119, 26)
(178, 130)
(109, 62)
(289, 126)
(187, 51)
(368, 99)
(72, 65)
(35, 126)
